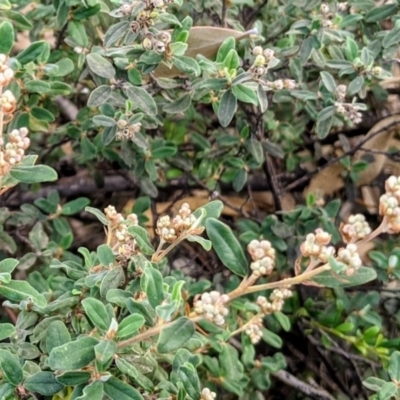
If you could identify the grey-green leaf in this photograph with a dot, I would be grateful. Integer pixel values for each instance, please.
(227, 246)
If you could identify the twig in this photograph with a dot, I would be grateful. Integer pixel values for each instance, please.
(255, 11)
(270, 174)
(309, 175)
(224, 14)
(313, 392)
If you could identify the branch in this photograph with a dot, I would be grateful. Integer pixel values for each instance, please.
(313, 392)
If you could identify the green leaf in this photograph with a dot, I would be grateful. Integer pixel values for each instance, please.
(7, 37)
(8, 265)
(129, 325)
(394, 366)
(151, 283)
(283, 320)
(97, 313)
(255, 148)
(57, 335)
(42, 114)
(230, 364)
(104, 121)
(127, 368)
(245, 94)
(105, 255)
(78, 33)
(361, 276)
(381, 13)
(11, 368)
(262, 98)
(72, 378)
(392, 38)
(355, 85)
(227, 45)
(105, 351)
(239, 180)
(328, 81)
(213, 209)
(33, 174)
(374, 383)
(118, 390)
(112, 280)
(187, 65)
(227, 246)
(187, 375)
(141, 99)
(206, 244)
(99, 96)
(179, 105)
(21, 290)
(93, 391)
(272, 338)
(387, 391)
(44, 383)
(5, 5)
(351, 49)
(323, 127)
(6, 330)
(100, 66)
(73, 355)
(33, 51)
(100, 216)
(74, 206)
(175, 336)
(227, 108)
(232, 60)
(142, 239)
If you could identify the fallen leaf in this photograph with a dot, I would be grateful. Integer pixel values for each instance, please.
(204, 40)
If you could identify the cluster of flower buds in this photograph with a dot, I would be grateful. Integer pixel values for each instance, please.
(6, 73)
(350, 111)
(113, 216)
(158, 42)
(127, 132)
(8, 103)
(280, 84)
(263, 256)
(357, 228)
(350, 257)
(119, 225)
(170, 230)
(326, 15)
(316, 245)
(121, 233)
(261, 62)
(275, 302)
(254, 330)
(212, 306)
(389, 204)
(342, 6)
(13, 151)
(207, 394)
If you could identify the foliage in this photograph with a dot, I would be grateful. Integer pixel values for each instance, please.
(163, 98)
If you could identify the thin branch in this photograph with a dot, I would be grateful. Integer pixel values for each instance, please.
(224, 14)
(313, 392)
(308, 176)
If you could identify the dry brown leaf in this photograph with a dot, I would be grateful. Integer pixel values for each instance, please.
(370, 198)
(204, 40)
(329, 180)
(378, 142)
(326, 182)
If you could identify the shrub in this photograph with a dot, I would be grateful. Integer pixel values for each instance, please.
(151, 94)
